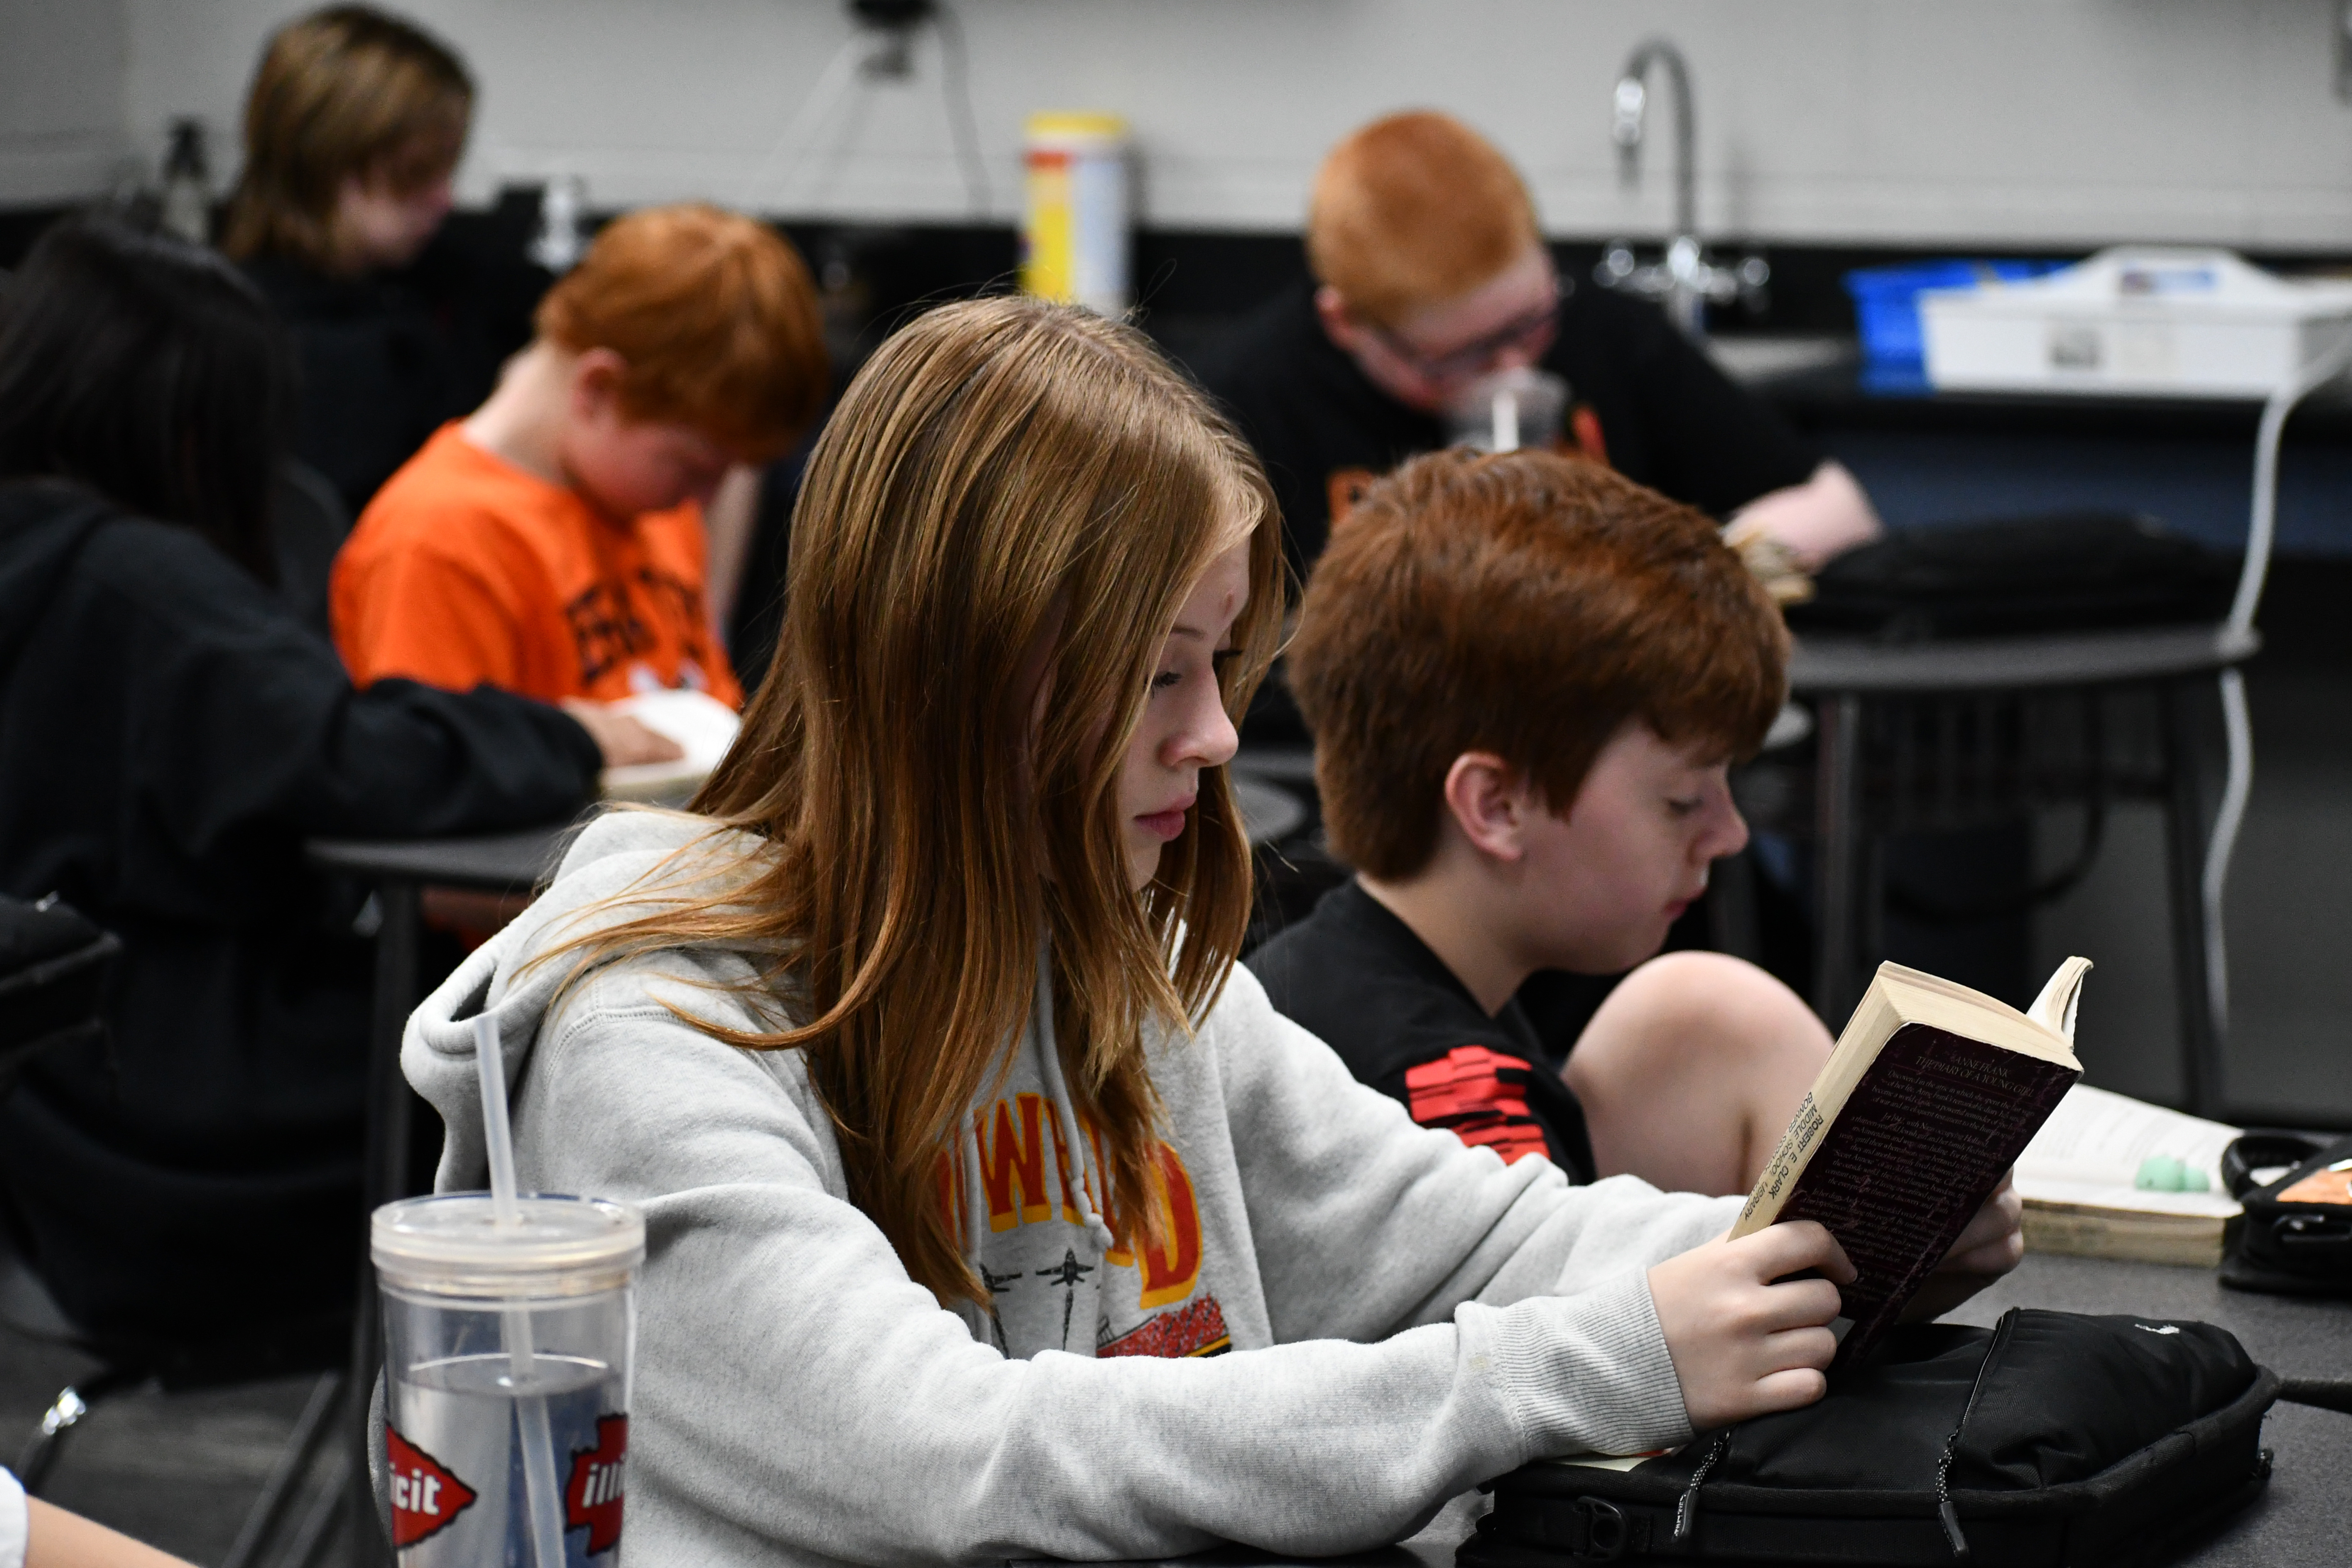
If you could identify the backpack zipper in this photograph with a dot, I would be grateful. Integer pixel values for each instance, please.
(1946, 1514)
(1686, 1506)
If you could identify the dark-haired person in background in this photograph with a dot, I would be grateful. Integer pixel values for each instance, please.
(169, 734)
(354, 127)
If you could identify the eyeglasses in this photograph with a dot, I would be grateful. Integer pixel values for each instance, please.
(1532, 333)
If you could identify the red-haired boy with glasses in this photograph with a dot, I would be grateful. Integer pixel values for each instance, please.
(1528, 679)
(1429, 273)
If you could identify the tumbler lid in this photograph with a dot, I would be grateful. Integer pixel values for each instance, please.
(451, 1244)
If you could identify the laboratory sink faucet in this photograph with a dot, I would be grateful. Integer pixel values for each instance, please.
(1684, 282)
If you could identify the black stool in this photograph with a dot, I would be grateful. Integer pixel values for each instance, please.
(1941, 736)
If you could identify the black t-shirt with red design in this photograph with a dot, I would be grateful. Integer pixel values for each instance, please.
(1357, 976)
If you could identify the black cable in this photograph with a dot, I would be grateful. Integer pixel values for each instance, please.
(2325, 1392)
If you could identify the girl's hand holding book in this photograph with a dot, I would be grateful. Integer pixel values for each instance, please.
(1746, 1340)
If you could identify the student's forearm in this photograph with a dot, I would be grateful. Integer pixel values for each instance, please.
(766, 1279)
(1383, 1224)
(1828, 513)
(62, 1540)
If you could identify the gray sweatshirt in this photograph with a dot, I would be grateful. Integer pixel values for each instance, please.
(1350, 1319)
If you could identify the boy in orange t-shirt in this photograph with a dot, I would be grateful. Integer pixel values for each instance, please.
(552, 544)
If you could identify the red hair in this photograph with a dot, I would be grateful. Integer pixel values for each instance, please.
(1413, 210)
(715, 315)
(1524, 604)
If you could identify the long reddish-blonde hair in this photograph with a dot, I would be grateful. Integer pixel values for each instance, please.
(1006, 484)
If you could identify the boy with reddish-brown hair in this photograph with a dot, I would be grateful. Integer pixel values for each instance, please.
(553, 542)
(1528, 678)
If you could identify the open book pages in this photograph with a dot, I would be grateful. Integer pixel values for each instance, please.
(1611, 1461)
(702, 724)
(2080, 1179)
(1932, 1092)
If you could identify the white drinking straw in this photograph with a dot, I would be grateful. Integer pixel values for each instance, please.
(1507, 420)
(546, 1505)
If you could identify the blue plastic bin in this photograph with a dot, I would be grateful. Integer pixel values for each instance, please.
(1886, 302)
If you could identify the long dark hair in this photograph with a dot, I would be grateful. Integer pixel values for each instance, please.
(150, 371)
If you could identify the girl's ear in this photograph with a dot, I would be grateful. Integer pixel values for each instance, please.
(1489, 801)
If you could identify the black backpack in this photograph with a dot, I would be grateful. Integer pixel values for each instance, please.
(2295, 1237)
(2076, 571)
(2055, 1440)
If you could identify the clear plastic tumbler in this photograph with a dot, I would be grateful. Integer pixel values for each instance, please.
(1509, 410)
(507, 1351)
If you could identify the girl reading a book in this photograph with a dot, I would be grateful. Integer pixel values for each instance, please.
(992, 1211)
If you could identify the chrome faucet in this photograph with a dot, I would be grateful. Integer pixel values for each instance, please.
(1684, 280)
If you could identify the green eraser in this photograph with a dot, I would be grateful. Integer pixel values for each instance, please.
(2160, 1174)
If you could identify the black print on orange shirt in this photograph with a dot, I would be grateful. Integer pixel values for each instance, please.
(685, 604)
(427, 1497)
(593, 1497)
(605, 630)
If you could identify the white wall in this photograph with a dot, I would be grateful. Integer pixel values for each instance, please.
(61, 105)
(1996, 121)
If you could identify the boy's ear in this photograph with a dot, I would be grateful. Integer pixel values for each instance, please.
(1340, 324)
(596, 376)
(1489, 801)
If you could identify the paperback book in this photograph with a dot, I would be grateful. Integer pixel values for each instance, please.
(1932, 1093)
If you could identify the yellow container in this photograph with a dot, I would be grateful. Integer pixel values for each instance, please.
(1074, 222)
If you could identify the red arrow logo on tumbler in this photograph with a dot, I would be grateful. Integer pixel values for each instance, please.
(426, 1497)
(593, 1497)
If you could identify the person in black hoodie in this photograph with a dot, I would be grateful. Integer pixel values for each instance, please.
(169, 734)
(354, 127)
